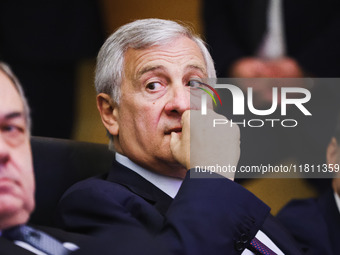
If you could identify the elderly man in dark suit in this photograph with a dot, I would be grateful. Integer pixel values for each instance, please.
(17, 192)
(17, 179)
(315, 222)
(146, 73)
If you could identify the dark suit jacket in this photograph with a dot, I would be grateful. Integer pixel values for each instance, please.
(311, 30)
(103, 243)
(9, 248)
(208, 216)
(315, 223)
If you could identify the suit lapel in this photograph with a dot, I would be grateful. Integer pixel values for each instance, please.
(140, 186)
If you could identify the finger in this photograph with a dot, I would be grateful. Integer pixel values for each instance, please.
(185, 118)
(174, 141)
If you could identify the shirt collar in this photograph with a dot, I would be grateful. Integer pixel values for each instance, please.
(168, 185)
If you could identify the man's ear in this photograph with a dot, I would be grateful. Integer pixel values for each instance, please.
(109, 113)
(332, 154)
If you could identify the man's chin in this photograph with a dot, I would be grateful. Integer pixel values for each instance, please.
(13, 220)
(12, 212)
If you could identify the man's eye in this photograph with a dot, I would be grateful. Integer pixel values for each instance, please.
(9, 128)
(154, 86)
(12, 129)
(13, 134)
(194, 84)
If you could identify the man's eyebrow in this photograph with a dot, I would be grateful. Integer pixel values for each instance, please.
(197, 67)
(14, 115)
(147, 69)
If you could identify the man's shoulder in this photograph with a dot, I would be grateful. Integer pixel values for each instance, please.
(297, 215)
(99, 180)
(97, 187)
(304, 218)
(298, 206)
(302, 210)
(98, 203)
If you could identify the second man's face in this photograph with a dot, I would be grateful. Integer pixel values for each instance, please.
(155, 93)
(16, 170)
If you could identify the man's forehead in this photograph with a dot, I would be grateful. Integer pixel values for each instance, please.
(10, 100)
(181, 50)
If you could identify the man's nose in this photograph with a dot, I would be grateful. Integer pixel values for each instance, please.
(179, 100)
(4, 151)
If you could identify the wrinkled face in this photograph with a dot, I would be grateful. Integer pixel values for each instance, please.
(154, 94)
(16, 170)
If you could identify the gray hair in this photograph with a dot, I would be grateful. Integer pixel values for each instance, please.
(140, 34)
(8, 72)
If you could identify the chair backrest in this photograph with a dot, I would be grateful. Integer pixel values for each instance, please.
(58, 164)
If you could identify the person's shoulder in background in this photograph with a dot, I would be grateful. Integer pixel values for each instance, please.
(314, 223)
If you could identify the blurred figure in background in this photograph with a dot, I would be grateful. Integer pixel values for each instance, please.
(273, 38)
(315, 222)
(280, 39)
(17, 179)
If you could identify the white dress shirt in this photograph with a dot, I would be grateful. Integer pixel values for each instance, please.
(170, 186)
(273, 45)
(26, 246)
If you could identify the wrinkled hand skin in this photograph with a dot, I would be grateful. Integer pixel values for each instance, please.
(205, 145)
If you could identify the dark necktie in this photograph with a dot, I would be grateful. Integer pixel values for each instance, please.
(37, 239)
(258, 247)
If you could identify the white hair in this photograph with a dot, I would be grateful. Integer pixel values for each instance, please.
(140, 34)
